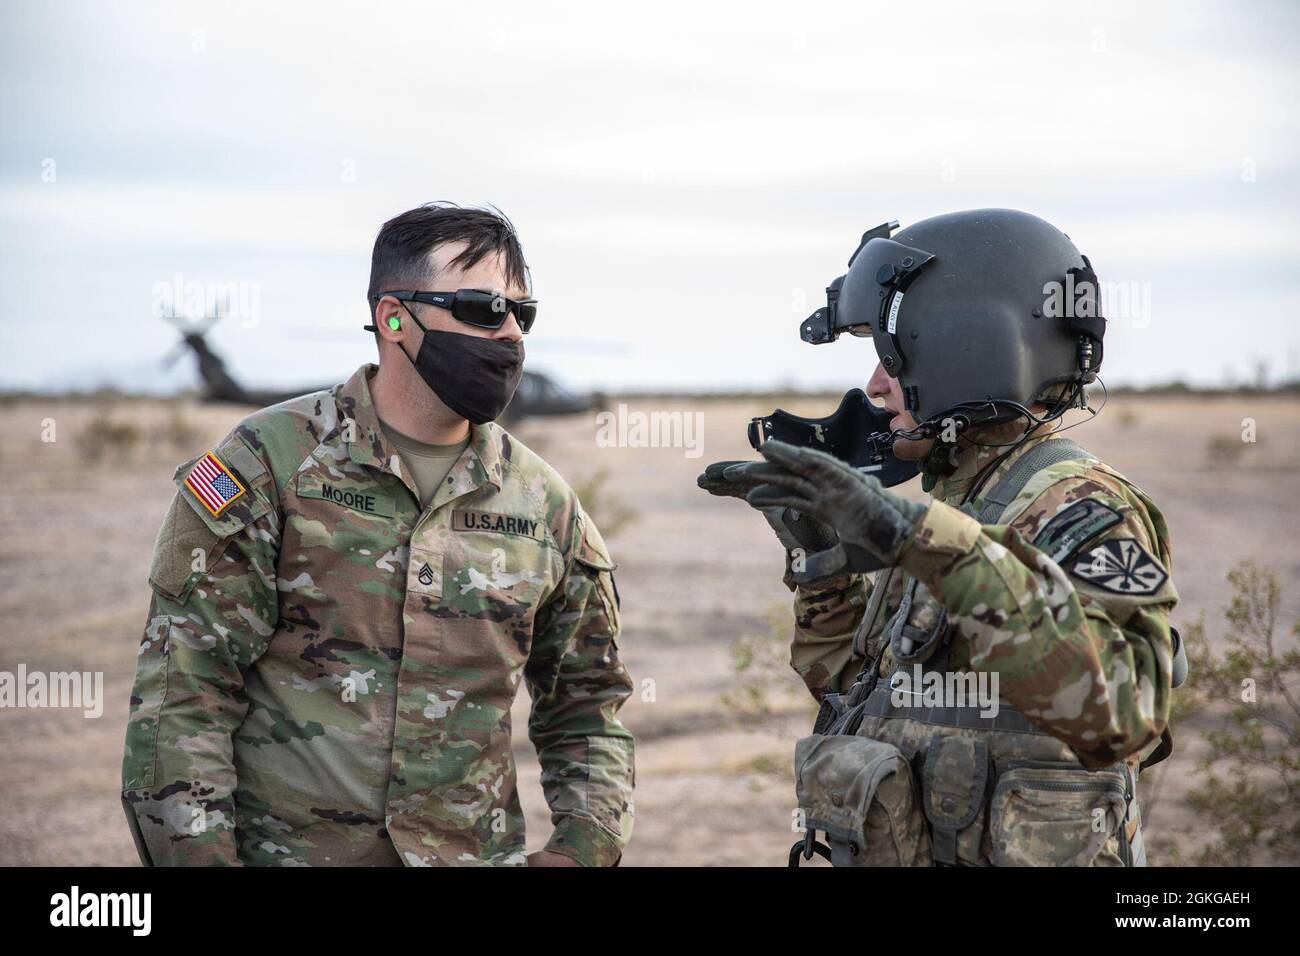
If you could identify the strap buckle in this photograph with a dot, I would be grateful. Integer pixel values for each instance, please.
(806, 847)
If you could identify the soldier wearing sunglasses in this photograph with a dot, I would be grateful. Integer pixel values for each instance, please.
(350, 588)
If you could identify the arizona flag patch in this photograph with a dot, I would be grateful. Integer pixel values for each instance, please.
(213, 484)
(1121, 566)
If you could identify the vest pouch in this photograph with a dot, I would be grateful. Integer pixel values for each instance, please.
(860, 792)
(1044, 814)
(919, 626)
(954, 782)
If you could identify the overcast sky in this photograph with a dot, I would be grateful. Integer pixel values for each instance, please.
(685, 178)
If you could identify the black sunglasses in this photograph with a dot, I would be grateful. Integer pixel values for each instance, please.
(486, 310)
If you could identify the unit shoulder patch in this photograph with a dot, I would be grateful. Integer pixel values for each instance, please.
(1120, 566)
(1070, 529)
(213, 484)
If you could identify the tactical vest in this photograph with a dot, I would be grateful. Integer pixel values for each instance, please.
(944, 785)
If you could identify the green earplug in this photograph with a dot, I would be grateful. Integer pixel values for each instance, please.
(394, 322)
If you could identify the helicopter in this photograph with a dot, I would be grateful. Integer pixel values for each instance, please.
(538, 394)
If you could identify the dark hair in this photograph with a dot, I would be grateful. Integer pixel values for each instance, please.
(401, 256)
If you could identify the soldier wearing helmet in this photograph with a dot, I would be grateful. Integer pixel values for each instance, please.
(995, 665)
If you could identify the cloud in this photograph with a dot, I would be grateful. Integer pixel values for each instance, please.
(686, 178)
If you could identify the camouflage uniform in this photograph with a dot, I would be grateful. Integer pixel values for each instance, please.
(333, 684)
(1083, 656)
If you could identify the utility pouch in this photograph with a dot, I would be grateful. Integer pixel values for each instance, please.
(919, 627)
(1044, 814)
(954, 782)
(860, 792)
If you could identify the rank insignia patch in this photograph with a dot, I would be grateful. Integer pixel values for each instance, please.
(213, 484)
(1120, 566)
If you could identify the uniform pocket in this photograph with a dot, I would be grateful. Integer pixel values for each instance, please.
(1049, 815)
(860, 792)
(499, 576)
(148, 693)
(186, 547)
(592, 554)
(954, 784)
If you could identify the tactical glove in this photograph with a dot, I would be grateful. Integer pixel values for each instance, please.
(816, 550)
(796, 531)
(855, 505)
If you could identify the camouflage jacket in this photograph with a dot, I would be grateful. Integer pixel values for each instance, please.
(1081, 647)
(327, 672)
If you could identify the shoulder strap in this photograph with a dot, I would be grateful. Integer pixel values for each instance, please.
(1040, 456)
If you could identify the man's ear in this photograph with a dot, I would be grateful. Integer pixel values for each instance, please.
(390, 319)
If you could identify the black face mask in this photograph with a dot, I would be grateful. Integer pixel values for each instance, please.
(474, 376)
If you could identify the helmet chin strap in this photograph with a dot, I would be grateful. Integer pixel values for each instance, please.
(948, 427)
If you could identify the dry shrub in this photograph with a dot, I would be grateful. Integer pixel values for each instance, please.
(1246, 797)
(609, 510)
(106, 436)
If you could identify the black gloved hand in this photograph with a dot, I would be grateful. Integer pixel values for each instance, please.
(732, 479)
(857, 506)
(816, 550)
(715, 481)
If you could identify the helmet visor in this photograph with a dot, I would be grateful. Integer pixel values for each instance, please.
(866, 300)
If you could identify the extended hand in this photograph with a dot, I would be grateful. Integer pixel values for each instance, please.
(857, 506)
(736, 479)
(716, 481)
(817, 553)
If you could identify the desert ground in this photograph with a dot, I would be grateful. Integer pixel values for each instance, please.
(78, 516)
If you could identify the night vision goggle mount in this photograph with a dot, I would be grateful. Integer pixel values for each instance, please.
(857, 433)
(898, 266)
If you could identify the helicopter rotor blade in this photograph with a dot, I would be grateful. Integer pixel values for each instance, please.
(172, 357)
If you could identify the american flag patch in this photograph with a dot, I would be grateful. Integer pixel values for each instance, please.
(213, 484)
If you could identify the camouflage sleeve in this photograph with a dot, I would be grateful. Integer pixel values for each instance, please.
(578, 683)
(1081, 647)
(212, 613)
(826, 617)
